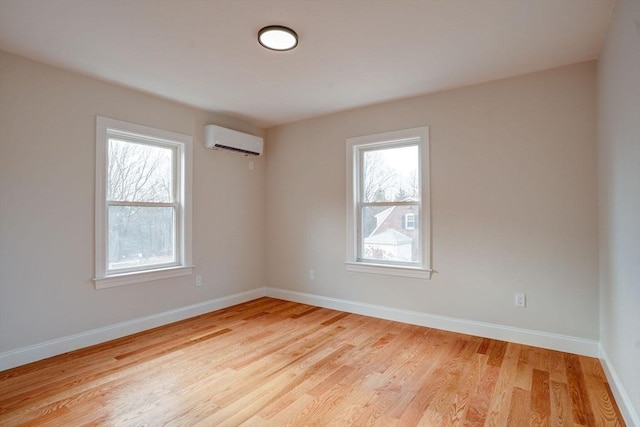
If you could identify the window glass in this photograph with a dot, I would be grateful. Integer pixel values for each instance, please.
(389, 190)
(139, 172)
(390, 175)
(141, 236)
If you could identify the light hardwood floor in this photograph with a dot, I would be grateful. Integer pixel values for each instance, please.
(274, 363)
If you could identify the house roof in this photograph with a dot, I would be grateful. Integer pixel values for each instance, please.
(381, 218)
(389, 237)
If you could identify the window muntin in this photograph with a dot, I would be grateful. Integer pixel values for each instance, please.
(143, 229)
(387, 196)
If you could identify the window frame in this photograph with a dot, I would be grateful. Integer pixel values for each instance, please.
(355, 146)
(107, 128)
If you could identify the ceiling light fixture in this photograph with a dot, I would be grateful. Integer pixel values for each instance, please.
(277, 37)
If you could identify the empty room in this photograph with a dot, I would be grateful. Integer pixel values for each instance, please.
(320, 213)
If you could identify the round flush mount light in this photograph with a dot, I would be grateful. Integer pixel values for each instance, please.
(277, 37)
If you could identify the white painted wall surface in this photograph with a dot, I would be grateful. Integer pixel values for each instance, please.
(47, 173)
(619, 197)
(514, 203)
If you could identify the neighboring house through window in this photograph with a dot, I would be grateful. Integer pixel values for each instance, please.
(388, 203)
(143, 203)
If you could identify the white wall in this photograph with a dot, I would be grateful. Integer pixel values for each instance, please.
(514, 203)
(47, 173)
(619, 184)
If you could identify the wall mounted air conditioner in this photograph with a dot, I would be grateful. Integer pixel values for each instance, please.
(219, 138)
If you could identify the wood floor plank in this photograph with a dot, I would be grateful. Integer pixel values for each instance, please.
(434, 377)
(496, 353)
(277, 363)
(561, 412)
(481, 398)
(540, 398)
(457, 411)
(556, 367)
(524, 370)
(501, 402)
(519, 410)
(604, 410)
(582, 411)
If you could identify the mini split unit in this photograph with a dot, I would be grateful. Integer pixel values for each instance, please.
(219, 138)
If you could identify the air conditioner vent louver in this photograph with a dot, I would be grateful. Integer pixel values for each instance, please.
(239, 150)
(219, 138)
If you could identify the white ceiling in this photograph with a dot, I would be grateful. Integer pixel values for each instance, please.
(351, 53)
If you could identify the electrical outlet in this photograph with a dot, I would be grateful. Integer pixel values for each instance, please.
(312, 275)
(198, 281)
(521, 300)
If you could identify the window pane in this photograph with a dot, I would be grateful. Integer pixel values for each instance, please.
(139, 172)
(390, 175)
(140, 236)
(385, 236)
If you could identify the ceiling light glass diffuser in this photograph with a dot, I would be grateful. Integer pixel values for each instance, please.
(276, 37)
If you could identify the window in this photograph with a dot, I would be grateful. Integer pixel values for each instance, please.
(388, 203)
(410, 221)
(143, 204)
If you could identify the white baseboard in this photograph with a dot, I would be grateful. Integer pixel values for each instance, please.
(631, 417)
(32, 353)
(40, 351)
(488, 330)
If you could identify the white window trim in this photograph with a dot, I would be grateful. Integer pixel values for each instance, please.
(352, 263)
(104, 280)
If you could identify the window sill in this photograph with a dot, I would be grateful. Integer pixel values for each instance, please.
(142, 276)
(389, 270)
